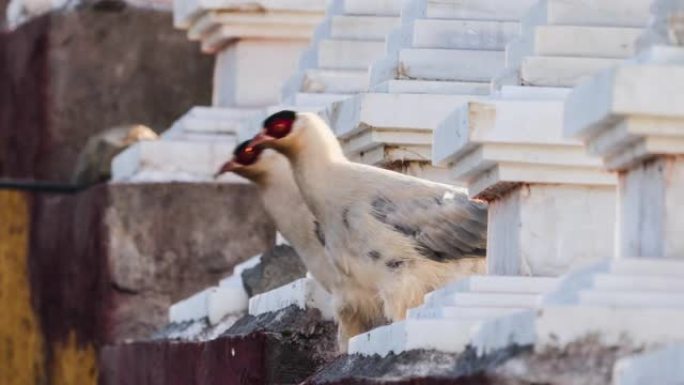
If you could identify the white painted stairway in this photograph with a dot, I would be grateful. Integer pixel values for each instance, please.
(442, 54)
(468, 313)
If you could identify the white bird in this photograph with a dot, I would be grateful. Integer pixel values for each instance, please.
(407, 235)
(357, 306)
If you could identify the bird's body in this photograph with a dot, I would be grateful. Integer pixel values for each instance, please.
(358, 309)
(405, 235)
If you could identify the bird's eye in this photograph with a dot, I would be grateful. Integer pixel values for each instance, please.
(246, 154)
(280, 124)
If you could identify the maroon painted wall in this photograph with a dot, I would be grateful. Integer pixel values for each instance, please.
(66, 76)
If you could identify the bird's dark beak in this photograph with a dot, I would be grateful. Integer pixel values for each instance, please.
(229, 166)
(261, 139)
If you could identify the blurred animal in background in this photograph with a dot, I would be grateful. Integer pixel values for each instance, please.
(403, 235)
(357, 304)
(94, 161)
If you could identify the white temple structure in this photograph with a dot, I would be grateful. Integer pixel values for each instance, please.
(567, 116)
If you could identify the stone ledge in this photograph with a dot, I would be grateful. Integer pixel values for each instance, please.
(174, 160)
(283, 347)
(304, 293)
(626, 128)
(662, 366)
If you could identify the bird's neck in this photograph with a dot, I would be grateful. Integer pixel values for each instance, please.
(315, 175)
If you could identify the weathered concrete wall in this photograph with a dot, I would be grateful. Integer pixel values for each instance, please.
(282, 348)
(69, 75)
(80, 270)
(3, 12)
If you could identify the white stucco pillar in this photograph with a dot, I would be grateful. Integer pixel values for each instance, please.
(257, 46)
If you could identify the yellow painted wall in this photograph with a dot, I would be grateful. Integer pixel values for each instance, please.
(73, 364)
(21, 343)
(22, 348)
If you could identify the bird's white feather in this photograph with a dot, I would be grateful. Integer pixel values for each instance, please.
(404, 234)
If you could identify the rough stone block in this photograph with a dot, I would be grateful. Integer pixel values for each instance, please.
(148, 261)
(54, 97)
(277, 267)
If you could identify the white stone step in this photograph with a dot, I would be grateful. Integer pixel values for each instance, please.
(456, 312)
(313, 99)
(209, 121)
(494, 284)
(247, 264)
(372, 7)
(609, 325)
(487, 185)
(349, 54)
(609, 13)
(213, 303)
(369, 139)
(444, 64)
(533, 93)
(191, 308)
(463, 34)
(576, 41)
(642, 283)
(173, 160)
(226, 300)
(631, 299)
(362, 27)
(648, 267)
(441, 335)
(571, 41)
(304, 293)
(409, 86)
(512, 10)
(491, 299)
(497, 121)
(452, 336)
(382, 155)
(661, 366)
(486, 156)
(335, 82)
(393, 111)
(561, 71)
(592, 104)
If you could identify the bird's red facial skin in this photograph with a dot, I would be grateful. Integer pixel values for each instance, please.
(247, 156)
(279, 125)
(244, 155)
(279, 128)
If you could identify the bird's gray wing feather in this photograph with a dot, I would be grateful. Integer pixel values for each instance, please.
(443, 224)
